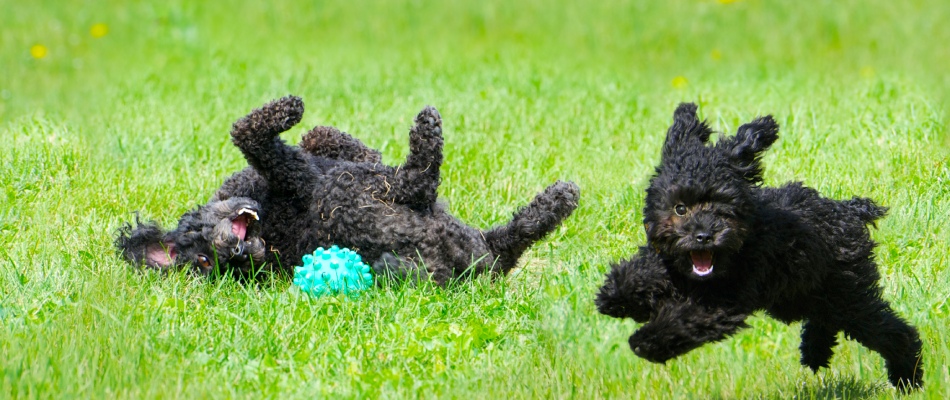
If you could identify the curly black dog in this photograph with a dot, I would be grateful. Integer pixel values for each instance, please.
(333, 190)
(721, 247)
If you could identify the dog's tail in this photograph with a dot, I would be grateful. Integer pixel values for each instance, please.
(531, 223)
(865, 209)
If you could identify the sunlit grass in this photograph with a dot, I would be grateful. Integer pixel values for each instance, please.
(128, 108)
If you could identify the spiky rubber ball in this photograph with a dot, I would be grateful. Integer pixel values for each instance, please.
(333, 271)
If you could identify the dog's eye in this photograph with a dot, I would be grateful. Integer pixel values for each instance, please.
(203, 261)
(680, 209)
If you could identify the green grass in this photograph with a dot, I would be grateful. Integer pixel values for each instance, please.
(530, 91)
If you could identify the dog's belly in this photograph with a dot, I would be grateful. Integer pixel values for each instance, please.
(786, 312)
(288, 234)
(372, 227)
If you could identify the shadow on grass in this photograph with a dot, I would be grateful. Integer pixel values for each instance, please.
(835, 387)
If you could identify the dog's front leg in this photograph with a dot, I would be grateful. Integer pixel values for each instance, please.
(257, 136)
(415, 183)
(679, 327)
(634, 288)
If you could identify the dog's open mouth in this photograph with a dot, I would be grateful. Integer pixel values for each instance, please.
(240, 222)
(702, 262)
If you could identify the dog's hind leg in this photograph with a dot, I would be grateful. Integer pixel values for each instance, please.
(634, 288)
(416, 181)
(818, 342)
(256, 135)
(531, 223)
(881, 330)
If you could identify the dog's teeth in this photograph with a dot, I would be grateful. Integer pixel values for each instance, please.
(248, 211)
(699, 272)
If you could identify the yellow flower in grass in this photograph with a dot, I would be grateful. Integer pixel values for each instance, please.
(680, 82)
(38, 51)
(727, 1)
(716, 55)
(99, 30)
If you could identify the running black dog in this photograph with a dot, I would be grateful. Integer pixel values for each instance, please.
(721, 247)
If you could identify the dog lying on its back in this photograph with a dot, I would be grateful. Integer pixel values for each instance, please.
(334, 191)
(721, 247)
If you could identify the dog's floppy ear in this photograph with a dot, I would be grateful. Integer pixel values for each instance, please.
(746, 147)
(147, 245)
(686, 130)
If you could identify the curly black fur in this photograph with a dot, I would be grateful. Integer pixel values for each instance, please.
(333, 190)
(721, 247)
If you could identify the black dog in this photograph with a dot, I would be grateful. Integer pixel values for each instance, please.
(721, 247)
(334, 191)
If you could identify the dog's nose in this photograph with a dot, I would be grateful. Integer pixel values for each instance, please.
(702, 237)
(238, 249)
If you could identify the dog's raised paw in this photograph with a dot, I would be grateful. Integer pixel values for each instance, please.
(283, 113)
(270, 120)
(650, 344)
(568, 191)
(609, 300)
(647, 351)
(429, 120)
(564, 196)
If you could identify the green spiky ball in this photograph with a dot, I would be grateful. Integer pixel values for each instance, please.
(333, 271)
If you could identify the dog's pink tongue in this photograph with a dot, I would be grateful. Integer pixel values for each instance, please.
(702, 260)
(239, 226)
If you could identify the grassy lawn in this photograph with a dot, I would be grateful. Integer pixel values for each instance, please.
(107, 108)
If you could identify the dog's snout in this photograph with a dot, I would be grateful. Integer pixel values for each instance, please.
(702, 237)
(238, 249)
